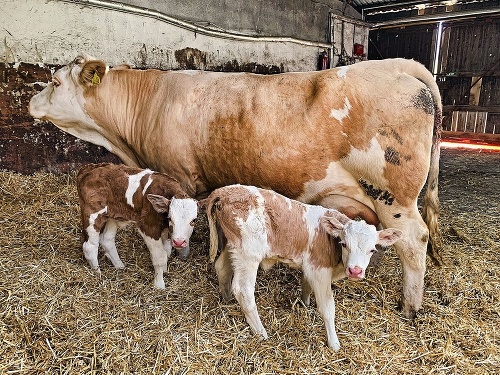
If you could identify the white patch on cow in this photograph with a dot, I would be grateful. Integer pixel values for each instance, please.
(336, 179)
(367, 161)
(134, 181)
(150, 180)
(312, 215)
(342, 113)
(254, 230)
(344, 134)
(342, 72)
(93, 217)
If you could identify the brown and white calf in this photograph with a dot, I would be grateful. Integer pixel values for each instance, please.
(261, 227)
(112, 196)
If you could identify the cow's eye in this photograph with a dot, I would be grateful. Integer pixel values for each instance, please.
(56, 82)
(342, 243)
(373, 251)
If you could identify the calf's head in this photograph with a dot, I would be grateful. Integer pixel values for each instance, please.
(358, 240)
(182, 213)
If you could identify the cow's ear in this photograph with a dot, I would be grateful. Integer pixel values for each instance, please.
(332, 226)
(160, 203)
(92, 72)
(388, 236)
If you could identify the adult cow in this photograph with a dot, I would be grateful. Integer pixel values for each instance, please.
(362, 138)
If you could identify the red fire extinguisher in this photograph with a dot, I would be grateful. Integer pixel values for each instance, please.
(323, 61)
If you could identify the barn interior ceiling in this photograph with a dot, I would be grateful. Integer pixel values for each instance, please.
(387, 12)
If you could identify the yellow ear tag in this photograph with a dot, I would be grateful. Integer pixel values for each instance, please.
(96, 79)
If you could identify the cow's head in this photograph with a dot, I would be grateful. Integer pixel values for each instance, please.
(182, 213)
(62, 100)
(358, 240)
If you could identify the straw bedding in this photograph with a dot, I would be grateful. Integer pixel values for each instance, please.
(56, 316)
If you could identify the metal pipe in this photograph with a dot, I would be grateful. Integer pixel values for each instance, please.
(437, 17)
(437, 52)
(125, 8)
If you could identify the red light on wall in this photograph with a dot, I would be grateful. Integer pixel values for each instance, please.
(358, 49)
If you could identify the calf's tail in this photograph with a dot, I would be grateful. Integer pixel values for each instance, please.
(212, 225)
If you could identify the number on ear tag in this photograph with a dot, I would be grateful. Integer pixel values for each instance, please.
(96, 79)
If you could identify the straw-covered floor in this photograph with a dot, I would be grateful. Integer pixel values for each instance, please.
(56, 316)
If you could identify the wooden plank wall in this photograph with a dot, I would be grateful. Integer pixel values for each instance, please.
(468, 67)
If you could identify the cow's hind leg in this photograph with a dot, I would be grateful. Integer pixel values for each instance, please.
(411, 250)
(107, 240)
(245, 275)
(224, 271)
(159, 258)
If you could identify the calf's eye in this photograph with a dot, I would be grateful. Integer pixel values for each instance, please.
(373, 251)
(56, 83)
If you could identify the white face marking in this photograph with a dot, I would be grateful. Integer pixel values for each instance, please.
(342, 113)
(342, 71)
(134, 181)
(359, 240)
(182, 213)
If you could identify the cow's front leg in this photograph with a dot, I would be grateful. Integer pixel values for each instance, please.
(320, 281)
(159, 258)
(411, 250)
(245, 275)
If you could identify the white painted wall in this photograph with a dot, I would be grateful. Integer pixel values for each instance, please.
(54, 32)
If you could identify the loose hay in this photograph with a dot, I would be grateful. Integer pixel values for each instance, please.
(58, 316)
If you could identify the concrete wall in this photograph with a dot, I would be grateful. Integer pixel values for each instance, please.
(38, 36)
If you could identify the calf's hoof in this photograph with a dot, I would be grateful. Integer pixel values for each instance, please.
(159, 283)
(408, 311)
(334, 346)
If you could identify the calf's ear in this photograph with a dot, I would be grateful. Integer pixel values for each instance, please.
(339, 216)
(92, 72)
(160, 203)
(388, 236)
(332, 226)
(203, 203)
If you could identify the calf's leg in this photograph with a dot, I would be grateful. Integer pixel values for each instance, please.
(320, 281)
(245, 275)
(224, 271)
(306, 291)
(107, 240)
(92, 226)
(159, 258)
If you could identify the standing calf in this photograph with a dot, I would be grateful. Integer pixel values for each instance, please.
(259, 226)
(112, 196)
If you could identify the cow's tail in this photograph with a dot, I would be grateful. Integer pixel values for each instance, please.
(430, 207)
(212, 225)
